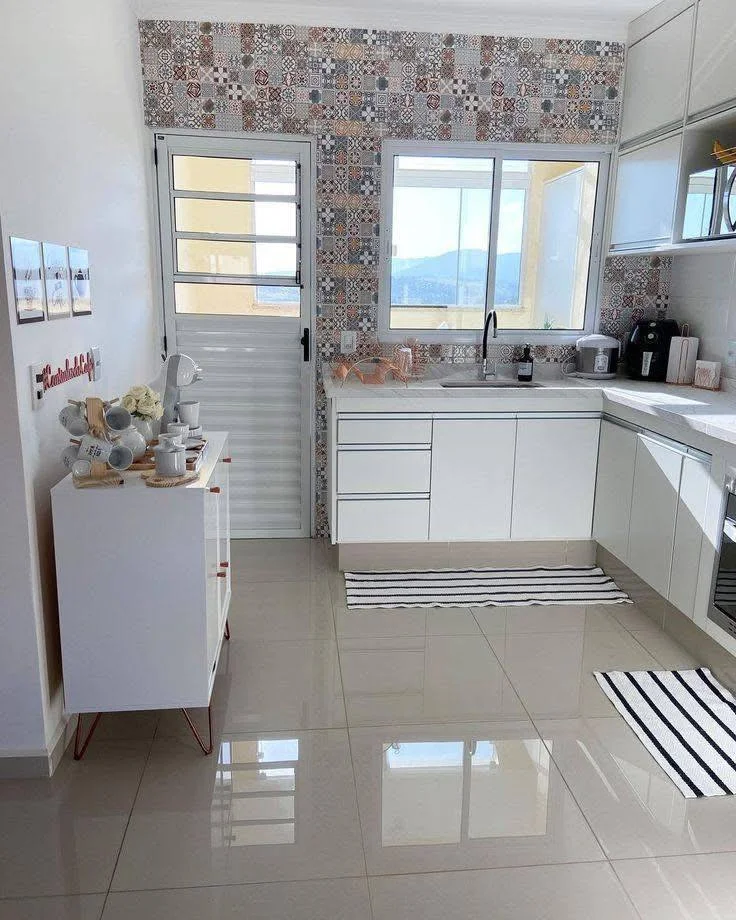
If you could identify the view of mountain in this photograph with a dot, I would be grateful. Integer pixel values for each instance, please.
(434, 280)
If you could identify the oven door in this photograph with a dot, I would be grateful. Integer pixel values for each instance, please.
(723, 608)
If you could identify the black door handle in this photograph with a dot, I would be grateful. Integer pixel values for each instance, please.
(304, 342)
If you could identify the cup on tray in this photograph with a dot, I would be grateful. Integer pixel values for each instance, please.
(189, 413)
(179, 428)
(170, 460)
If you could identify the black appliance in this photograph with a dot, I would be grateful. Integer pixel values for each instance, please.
(648, 349)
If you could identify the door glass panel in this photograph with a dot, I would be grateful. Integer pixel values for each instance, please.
(234, 176)
(209, 215)
(224, 257)
(237, 299)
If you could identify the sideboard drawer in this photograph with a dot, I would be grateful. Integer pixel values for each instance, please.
(391, 520)
(371, 471)
(384, 430)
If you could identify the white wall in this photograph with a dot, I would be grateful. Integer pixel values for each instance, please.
(73, 170)
(703, 293)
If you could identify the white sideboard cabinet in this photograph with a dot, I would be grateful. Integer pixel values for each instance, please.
(144, 589)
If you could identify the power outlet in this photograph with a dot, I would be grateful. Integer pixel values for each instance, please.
(348, 341)
(731, 355)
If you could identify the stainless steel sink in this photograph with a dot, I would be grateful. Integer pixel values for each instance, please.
(491, 384)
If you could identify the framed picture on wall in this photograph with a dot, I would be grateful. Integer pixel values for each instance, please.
(30, 300)
(79, 273)
(56, 279)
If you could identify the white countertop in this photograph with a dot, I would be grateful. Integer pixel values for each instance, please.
(712, 414)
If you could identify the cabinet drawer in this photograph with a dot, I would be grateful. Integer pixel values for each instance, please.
(360, 471)
(391, 520)
(384, 430)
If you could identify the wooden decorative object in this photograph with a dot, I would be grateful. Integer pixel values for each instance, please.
(726, 156)
(168, 482)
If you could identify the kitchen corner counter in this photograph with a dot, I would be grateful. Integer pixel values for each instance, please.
(687, 409)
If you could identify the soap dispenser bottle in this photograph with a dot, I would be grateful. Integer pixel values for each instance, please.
(526, 364)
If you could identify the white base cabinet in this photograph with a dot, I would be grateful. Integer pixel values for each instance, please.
(144, 589)
(651, 509)
(554, 478)
(472, 478)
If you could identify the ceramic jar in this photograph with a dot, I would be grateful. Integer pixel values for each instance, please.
(144, 426)
(131, 437)
(171, 460)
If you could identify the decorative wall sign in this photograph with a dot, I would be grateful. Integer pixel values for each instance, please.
(56, 278)
(79, 269)
(30, 302)
(44, 377)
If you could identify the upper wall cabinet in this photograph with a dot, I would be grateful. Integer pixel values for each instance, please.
(657, 76)
(646, 189)
(714, 61)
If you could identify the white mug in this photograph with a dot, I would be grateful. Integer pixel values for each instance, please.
(118, 418)
(70, 456)
(72, 419)
(120, 457)
(189, 413)
(170, 462)
(81, 468)
(169, 439)
(94, 449)
(178, 428)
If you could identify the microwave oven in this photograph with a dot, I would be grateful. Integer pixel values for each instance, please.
(710, 206)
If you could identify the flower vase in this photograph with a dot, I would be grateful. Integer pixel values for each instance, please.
(144, 426)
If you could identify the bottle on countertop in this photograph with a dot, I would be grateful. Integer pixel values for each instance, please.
(526, 364)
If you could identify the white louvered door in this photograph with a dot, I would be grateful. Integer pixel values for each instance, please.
(235, 244)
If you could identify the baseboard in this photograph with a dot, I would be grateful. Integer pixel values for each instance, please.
(378, 556)
(36, 764)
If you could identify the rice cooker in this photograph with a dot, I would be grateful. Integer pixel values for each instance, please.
(596, 356)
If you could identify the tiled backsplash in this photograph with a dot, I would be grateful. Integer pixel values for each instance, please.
(350, 88)
(634, 288)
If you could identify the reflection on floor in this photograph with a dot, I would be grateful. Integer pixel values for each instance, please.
(378, 764)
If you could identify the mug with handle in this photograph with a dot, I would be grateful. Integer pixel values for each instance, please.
(120, 457)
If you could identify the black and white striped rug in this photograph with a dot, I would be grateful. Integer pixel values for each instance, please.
(483, 587)
(687, 722)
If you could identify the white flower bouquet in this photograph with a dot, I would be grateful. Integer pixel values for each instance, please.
(144, 403)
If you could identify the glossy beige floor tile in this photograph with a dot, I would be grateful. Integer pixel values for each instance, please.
(62, 835)
(464, 796)
(70, 907)
(278, 560)
(418, 680)
(277, 685)
(669, 654)
(376, 624)
(499, 621)
(553, 672)
(265, 807)
(681, 887)
(633, 807)
(282, 610)
(342, 899)
(582, 892)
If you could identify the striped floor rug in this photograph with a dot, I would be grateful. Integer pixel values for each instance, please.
(687, 722)
(540, 585)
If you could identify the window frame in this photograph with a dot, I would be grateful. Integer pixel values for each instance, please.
(576, 153)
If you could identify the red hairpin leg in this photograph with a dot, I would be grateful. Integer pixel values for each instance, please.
(79, 751)
(206, 748)
(227, 630)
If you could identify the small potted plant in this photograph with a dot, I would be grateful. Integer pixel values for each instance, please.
(144, 405)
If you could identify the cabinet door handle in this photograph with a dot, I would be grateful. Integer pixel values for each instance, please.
(224, 565)
(227, 459)
(215, 489)
(222, 574)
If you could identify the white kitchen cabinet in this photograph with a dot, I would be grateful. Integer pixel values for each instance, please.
(646, 191)
(654, 512)
(376, 471)
(554, 478)
(143, 589)
(383, 520)
(713, 80)
(689, 531)
(370, 429)
(614, 487)
(472, 478)
(657, 71)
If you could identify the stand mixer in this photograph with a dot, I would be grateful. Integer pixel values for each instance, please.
(178, 371)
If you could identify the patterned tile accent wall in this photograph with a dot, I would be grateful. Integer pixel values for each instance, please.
(350, 88)
(634, 288)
